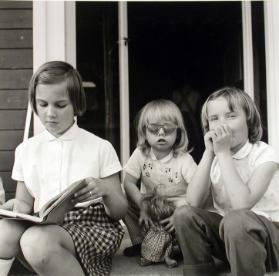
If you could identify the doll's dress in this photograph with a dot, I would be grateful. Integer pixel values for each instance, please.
(156, 245)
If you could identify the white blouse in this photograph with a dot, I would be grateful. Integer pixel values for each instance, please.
(48, 164)
(246, 160)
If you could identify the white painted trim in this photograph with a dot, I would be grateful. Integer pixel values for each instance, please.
(124, 83)
(54, 36)
(271, 19)
(248, 66)
(70, 10)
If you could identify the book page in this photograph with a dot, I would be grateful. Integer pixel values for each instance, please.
(67, 194)
(7, 214)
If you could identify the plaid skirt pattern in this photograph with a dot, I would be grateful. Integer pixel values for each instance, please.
(96, 238)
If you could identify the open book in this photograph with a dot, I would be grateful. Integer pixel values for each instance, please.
(55, 209)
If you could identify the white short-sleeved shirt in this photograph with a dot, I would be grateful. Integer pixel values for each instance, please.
(169, 175)
(246, 161)
(2, 192)
(48, 164)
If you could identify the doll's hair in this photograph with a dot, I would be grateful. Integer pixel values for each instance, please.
(157, 110)
(237, 98)
(54, 72)
(158, 207)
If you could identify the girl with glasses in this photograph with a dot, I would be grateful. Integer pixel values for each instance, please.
(161, 162)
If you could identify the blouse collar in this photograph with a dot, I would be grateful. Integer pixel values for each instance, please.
(70, 134)
(243, 151)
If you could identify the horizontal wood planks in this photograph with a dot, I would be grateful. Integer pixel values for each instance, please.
(16, 67)
(13, 99)
(16, 19)
(16, 59)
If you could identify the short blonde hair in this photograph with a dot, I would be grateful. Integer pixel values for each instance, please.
(237, 98)
(161, 110)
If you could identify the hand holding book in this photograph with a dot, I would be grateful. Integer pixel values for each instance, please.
(92, 190)
(53, 211)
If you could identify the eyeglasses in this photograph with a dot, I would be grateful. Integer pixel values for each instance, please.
(155, 128)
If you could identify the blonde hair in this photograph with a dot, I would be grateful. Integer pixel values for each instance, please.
(236, 98)
(161, 110)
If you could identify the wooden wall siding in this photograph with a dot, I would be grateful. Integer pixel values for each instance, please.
(15, 19)
(13, 58)
(13, 99)
(16, 39)
(10, 139)
(16, 54)
(12, 119)
(15, 78)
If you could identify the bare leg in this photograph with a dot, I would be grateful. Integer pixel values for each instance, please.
(10, 233)
(50, 251)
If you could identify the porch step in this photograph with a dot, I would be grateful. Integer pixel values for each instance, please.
(129, 266)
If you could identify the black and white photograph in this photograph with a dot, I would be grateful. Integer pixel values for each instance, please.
(139, 138)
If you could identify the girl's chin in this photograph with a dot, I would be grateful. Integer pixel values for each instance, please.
(56, 133)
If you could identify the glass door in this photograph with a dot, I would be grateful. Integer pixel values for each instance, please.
(183, 51)
(97, 61)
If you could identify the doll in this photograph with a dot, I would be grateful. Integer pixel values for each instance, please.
(157, 243)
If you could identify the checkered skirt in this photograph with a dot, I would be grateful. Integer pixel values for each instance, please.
(96, 238)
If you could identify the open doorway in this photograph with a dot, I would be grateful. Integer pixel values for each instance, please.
(183, 51)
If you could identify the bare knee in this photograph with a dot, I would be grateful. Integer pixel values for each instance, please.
(10, 233)
(38, 247)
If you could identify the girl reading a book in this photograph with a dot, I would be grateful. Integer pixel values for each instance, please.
(46, 164)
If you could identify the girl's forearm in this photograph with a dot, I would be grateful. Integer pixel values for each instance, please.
(199, 187)
(116, 205)
(238, 192)
(133, 193)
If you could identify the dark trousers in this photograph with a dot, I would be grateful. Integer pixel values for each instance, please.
(248, 242)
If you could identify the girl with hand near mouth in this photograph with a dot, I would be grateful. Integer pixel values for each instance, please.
(161, 162)
(238, 171)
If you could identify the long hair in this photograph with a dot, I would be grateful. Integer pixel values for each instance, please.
(237, 98)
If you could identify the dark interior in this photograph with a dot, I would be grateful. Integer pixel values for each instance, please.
(181, 51)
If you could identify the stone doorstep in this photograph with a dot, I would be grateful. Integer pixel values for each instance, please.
(128, 266)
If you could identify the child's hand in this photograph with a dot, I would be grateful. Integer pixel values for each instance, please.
(144, 219)
(208, 140)
(16, 205)
(92, 189)
(168, 224)
(222, 139)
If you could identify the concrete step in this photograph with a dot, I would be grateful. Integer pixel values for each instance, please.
(129, 266)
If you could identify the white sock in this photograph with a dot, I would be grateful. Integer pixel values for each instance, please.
(5, 266)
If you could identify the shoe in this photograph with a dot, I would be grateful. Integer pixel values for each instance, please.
(133, 250)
